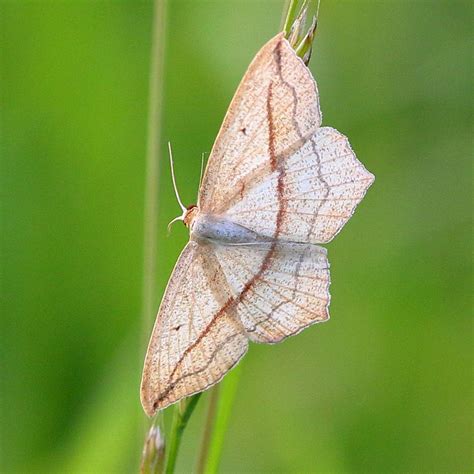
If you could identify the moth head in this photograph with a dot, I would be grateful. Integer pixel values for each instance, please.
(187, 217)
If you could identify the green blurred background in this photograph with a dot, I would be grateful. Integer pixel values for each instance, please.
(386, 385)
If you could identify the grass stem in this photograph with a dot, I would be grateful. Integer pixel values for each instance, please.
(152, 173)
(290, 16)
(152, 182)
(181, 413)
(208, 427)
(219, 419)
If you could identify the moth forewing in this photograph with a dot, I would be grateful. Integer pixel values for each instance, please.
(196, 339)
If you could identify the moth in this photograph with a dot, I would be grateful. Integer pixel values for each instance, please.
(276, 185)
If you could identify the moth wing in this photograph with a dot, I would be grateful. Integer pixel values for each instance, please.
(275, 79)
(196, 338)
(281, 288)
(272, 168)
(309, 196)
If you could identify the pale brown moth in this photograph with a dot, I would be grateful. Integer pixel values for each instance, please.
(276, 184)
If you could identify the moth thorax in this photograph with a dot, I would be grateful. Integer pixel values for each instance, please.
(190, 215)
(219, 229)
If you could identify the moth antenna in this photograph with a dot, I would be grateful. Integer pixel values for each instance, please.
(176, 219)
(183, 207)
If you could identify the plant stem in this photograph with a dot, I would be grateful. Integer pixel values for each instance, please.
(152, 181)
(206, 436)
(220, 420)
(222, 396)
(181, 414)
(290, 15)
(152, 177)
